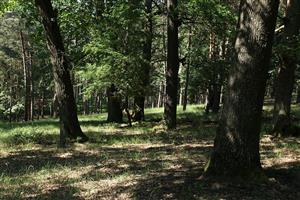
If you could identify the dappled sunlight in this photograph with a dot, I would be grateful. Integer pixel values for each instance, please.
(141, 162)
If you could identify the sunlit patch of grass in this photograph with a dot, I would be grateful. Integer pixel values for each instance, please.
(118, 159)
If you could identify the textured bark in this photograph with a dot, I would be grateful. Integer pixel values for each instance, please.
(172, 66)
(236, 147)
(114, 106)
(63, 86)
(286, 76)
(139, 101)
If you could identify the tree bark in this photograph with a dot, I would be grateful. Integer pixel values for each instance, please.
(31, 83)
(160, 95)
(139, 101)
(236, 146)
(172, 65)
(286, 77)
(215, 84)
(27, 98)
(61, 65)
(187, 73)
(114, 106)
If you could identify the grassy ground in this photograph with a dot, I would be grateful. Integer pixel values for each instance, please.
(141, 162)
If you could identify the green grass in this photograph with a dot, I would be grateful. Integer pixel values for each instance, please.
(119, 162)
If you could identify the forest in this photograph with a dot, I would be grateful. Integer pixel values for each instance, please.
(150, 99)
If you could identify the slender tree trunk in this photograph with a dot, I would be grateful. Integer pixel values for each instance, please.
(172, 65)
(236, 147)
(114, 106)
(31, 80)
(128, 112)
(187, 73)
(139, 101)
(26, 78)
(214, 91)
(159, 99)
(285, 80)
(217, 89)
(42, 104)
(181, 90)
(61, 65)
(208, 99)
(298, 95)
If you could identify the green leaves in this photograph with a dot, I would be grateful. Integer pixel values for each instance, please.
(115, 51)
(8, 5)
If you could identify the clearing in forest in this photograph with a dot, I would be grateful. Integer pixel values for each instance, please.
(140, 162)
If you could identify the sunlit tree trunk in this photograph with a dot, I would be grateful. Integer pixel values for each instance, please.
(236, 146)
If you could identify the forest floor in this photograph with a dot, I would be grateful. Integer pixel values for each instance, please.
(140, 162)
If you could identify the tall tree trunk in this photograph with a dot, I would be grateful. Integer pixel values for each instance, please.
(26, 78)
(114, 106)
(63, 86)
(187, 72)
(286, 77)
(214, 91)
(172, 65)
(31, 83)
(139, 101)
(236, 147)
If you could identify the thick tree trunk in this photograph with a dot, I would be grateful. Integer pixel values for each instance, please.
(172, 66)
(236, 147)
(286, 77)
(63, 87)
(114, 106)
(139, 101)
